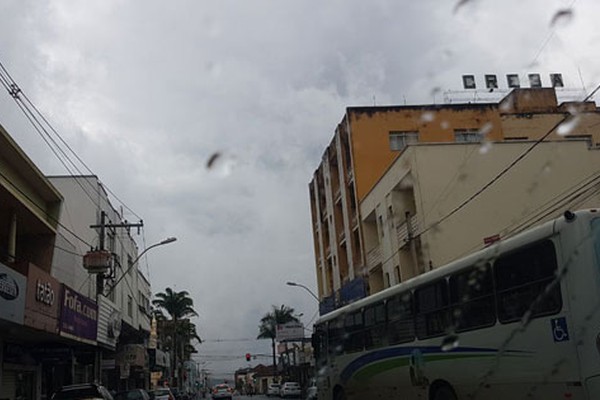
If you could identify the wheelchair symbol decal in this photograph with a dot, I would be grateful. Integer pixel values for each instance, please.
(560, 332)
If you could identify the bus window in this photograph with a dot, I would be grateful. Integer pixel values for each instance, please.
(432, 309)
(472, 295)
(374, 325)
(353, 332)
(319, 344)
(335, 336)
(400, 326)
(521, 277)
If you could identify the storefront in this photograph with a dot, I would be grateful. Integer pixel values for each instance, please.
(19, 377)
(132, 363)
(79, 322)
(159, 367)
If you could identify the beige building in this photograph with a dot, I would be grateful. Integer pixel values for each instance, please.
(412, 221)
(369, 140)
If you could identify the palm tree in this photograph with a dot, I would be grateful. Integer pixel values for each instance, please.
(180, 307)
(268, 325)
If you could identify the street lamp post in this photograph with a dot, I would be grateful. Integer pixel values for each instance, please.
(166, 241)
(304, 287)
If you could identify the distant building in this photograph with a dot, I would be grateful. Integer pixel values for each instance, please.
(370, 140)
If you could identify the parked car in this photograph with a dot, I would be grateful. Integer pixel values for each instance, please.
(222, 391)
(290, 389)
(273, 389)
(82, 391)
(161, 394)
(135, 394)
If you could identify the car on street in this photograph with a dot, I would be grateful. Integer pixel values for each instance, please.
(82, 391)
(134, 394)
(290, 389)
(273, 389)
(161, 394)
(222, 391)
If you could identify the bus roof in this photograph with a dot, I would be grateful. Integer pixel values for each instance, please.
(491, 252)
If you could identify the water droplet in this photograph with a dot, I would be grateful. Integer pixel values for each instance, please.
(459, 5)
(449, 343)
(486, 128)
(485, 147)
(562, 17)
(213, 159)
(427, 116)
(567, 126)
(444, 125)
(322, 371)
(457, 313)
(435, 91)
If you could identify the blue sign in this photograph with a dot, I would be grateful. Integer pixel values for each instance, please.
(560, 331)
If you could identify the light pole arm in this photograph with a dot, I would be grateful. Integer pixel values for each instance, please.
(303, 287)
(166, 241)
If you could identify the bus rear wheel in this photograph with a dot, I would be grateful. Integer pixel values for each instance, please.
(444, 392)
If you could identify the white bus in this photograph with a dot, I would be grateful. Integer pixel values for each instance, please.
(517, 320)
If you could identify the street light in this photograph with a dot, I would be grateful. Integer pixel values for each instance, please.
(304, 287)
(166, 241)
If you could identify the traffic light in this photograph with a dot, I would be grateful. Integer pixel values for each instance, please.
(248, 356)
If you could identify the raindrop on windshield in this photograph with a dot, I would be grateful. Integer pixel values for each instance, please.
(562, 17)
(567, 126)
(450, 342)
(485, 147)
(213, 159)
(427, 116)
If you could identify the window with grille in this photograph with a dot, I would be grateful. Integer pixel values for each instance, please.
(467, 136)
(400, 139)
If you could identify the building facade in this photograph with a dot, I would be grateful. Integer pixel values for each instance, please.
(124, 308)
(369, 140)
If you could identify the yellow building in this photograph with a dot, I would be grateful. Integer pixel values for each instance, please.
(369, 140)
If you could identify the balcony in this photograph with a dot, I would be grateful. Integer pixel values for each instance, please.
(374, 257)
(402, 230)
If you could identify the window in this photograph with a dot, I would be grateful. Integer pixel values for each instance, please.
(397, 273)
(354, 334)
(472, 294)
(400, 325)
(130, 306)
(431, 303)
(586, 138)
(387, 280)
(467, 136)
(526, 279)
(381, 227)
(374, 325)
(399, 140)
(335, 335)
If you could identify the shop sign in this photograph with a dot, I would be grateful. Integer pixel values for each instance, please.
(42, 300)
(289, 332)
(132, 354)
(158, 358)
(12, 294)
(78, 316)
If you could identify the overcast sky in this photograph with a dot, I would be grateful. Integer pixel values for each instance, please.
(146, 91)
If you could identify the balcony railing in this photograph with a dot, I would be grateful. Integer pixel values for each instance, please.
(402, 230)
(374, 257)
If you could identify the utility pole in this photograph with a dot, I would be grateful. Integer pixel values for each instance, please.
(103, 225)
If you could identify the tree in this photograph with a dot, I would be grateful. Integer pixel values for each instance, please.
(179, 331)
(268, 325)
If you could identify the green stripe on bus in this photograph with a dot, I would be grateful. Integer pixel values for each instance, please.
(377, 368)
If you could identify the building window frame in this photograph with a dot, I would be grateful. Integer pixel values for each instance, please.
(399, 140)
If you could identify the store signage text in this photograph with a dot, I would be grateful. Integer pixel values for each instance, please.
(44, 293)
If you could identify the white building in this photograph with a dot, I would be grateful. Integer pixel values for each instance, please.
(422, 213)
(124, 313)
